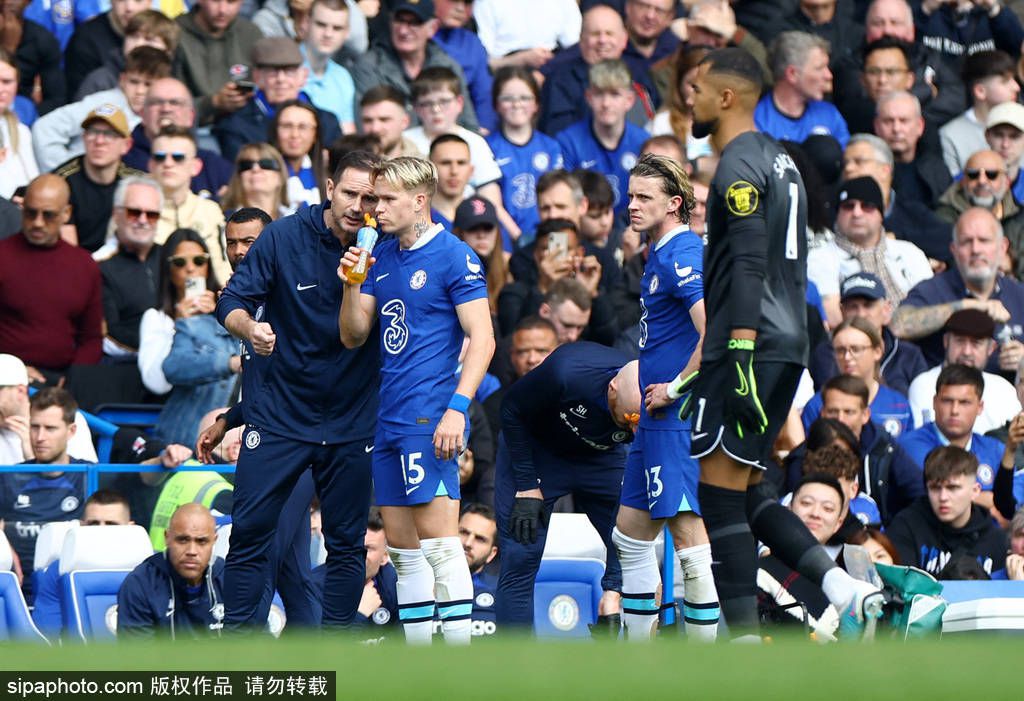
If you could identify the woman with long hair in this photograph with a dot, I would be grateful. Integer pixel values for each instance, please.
(259, 180)
(295, 131)
(17, 161)
(184, 352)
(675, 118)
(477, 224)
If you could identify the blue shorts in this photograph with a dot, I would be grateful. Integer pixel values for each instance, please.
(661, 477)
(406, 473)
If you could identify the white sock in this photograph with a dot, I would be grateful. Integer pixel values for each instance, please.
(640, 580)
(415, 594)
(700, 599)
(840, 587)
(453, 587)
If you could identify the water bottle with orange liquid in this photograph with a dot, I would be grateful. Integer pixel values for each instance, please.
(366, 239)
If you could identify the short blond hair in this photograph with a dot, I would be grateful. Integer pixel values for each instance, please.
(408, 173)
(611, 74)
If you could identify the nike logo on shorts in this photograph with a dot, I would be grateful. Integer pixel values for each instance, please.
(368, 448)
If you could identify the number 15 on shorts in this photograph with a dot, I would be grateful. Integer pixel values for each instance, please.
(412, 472)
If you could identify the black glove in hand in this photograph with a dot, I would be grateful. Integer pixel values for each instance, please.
(742, 403)
(526, 519)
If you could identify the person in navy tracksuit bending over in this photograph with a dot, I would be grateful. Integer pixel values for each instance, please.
(317, 404)
(564, 429)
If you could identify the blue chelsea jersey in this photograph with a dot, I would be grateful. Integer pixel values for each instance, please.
(581, 149)
(416, 292)
(673, 282)
(521, 167)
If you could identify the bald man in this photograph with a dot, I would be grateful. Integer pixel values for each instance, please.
(51, 321)
(565, 427)
(176, 593)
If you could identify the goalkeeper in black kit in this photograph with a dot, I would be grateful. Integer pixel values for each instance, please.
(755, 347)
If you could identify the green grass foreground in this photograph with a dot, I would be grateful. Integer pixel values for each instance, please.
(526, 670)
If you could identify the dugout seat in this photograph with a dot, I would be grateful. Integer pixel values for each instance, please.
(983, 606)
(6, 554)
(93, 563)
(15, 621)
(568, 587)
(50, 541)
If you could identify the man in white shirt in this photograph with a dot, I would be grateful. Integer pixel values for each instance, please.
(526, 32)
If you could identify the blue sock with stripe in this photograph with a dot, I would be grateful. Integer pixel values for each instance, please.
(640, 581)
(700, 598)
(453, 587)
(415, 594)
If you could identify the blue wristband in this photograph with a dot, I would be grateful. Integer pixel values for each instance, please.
(459, 402)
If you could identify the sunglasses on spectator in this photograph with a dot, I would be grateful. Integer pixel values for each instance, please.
(264, 164)
(49, 215)
(162, 156)
(182, 261)
(148, 215)
(848, 206)
(990, 173)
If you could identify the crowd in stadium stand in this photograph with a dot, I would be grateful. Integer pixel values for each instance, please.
(131, 132)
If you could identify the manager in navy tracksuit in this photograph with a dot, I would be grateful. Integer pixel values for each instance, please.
(563, 432)
(317, 402)
(177, 592)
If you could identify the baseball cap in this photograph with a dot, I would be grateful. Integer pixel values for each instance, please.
(866, 285)
(473, 212)
(12, 371)
(273, 52)
(971, 322)
(1011, 113)
(423, 9)
(863, 189)
(132, 446)
(112, 115)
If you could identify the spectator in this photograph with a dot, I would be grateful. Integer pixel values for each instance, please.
(795, 108)
(844, 464)
(30, 499)
(955, 29)
(522, 152)
(606, 141)
(821, 19)
(279, 76)
(328, 84)
(713, 24)
(214, 37)
(201, 360)
(529, 36)
(411, 50)
(451, 156)
(1014, 569)
(49, 321)
(148, 28)
(863, 295)
(675, 117)
(975, 282)
(648, 23)
(180, 592)
(19, 161)
(131, 274)
(956, 407)
(861, 245)
(516, 354)
(284, 18)
(1004, 135)
(37, 55)
(379, 601)
(967, 341)
(918, 174)
(466, 48)
(478, 531)
(383, 114)
(563, 96)
(858, 349)
(58, 136)
(476, 223)
(259, 181)
(174, 164)
(947, 521)
(989, 79)
(907, 219)
(168, 103)
(15, 436)
(93, 41)
(295, 132)
(567, 306)
(886, 69)
(93, 177)
(985, 184)
(598, 226)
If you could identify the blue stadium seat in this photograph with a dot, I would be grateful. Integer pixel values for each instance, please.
(90, 603)
(566, 596)
(142, 416)
(15, 621)
(103, 431)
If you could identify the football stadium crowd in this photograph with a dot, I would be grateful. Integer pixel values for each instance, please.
(144, 147)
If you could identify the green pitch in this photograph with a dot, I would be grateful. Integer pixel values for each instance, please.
(522, 670)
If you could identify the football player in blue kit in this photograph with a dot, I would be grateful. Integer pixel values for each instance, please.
(660, 481)
(429, 291)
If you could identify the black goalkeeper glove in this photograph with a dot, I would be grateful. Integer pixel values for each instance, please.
(526, 519)
(742, 403)
(684, 388)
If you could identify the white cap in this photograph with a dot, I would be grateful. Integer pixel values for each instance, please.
(12, 371)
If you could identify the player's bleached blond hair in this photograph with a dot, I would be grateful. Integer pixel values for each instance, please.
(408, 173)
(674, 180)
(612, 74)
